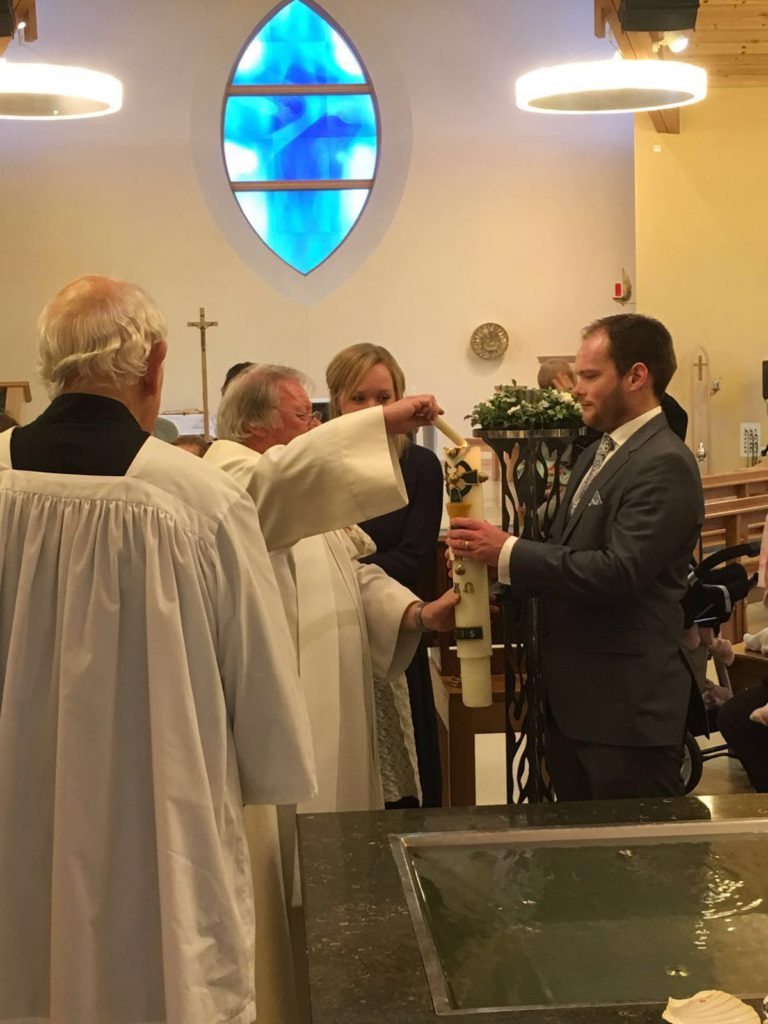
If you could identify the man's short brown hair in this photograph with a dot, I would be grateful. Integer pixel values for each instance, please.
(634, 338)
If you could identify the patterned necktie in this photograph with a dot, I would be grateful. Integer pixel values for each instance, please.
(604, 449)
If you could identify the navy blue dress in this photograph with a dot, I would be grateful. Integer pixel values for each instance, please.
(406, 542)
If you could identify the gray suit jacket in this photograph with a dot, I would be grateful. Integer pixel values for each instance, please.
(610, 580)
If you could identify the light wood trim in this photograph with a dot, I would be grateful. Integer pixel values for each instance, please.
(736, 506)
(26, 10)
(601, 17)
(708, 5)
(301, 186)
(363, 89)
(666, 122)
(716, 34)
(17, 394)
(23, 384)
(733, 17)
(720, 48)
(637, 46)
(739, 477)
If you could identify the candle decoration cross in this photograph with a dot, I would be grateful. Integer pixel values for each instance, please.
(202, 325)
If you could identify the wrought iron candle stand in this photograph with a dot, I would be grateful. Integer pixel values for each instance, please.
(535, 465)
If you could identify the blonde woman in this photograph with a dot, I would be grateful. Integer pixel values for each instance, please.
(359, 377)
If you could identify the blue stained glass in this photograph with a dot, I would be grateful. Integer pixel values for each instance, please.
(298, 47)
(303, 227)
(294, 138)
(306, 136)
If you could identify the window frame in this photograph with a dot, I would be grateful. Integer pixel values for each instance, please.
(316, 89)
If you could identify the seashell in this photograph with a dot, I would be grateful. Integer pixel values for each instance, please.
(710, 1007)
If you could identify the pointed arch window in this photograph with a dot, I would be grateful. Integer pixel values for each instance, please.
(301, 135)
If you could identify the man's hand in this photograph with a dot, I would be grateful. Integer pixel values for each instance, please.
(475, 538)
(410, 413)
(439, 614)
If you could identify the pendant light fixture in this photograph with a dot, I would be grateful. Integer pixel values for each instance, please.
(613, 86)
(39, 91)
(56, 92)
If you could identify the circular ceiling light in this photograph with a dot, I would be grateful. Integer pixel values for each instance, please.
(54, 92)
(611, 87)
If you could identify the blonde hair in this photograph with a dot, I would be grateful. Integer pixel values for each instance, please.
(97, 331)
(251, 400)
(347, 369)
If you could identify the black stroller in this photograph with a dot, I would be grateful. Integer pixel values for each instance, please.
(712, 593)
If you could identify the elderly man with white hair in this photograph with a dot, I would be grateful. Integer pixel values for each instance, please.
(325, 479)
(147, 690)
(351, 622)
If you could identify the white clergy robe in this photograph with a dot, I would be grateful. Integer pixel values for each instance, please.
(340, 473)
(148, 688)
(348, 618)
(344, 616)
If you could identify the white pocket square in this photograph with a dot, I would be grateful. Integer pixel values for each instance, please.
(595, 499)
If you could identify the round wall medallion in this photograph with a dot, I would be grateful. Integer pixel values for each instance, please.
(489, 341)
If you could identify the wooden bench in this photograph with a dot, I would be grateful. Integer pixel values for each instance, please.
(749, 668)
(735, 508)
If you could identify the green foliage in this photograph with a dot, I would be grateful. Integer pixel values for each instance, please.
(506, 409)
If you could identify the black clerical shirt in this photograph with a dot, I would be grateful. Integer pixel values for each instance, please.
(79, 433)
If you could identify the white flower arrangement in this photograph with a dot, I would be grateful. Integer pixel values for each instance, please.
(512, 407)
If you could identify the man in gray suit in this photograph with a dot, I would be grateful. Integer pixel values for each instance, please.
(611, 576)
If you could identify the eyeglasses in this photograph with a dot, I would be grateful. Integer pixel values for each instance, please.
(307, 417)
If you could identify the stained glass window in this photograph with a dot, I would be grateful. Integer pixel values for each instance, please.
(300, 134)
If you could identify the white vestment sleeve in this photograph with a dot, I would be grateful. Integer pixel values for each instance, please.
(258, 667)
(340, 473)
(384, 602)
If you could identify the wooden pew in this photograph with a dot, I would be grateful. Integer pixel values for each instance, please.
(735, 508)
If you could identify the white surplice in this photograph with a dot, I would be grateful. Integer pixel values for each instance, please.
(147, 689)
(344, 472)
(349, 633)
(344, 615)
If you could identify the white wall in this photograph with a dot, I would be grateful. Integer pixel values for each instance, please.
(492, 215)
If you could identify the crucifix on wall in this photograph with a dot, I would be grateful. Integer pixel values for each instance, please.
(202, 325)
(700, 409)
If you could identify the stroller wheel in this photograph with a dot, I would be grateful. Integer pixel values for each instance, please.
(693, 763)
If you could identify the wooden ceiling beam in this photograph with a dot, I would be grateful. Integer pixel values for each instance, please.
(719, 48)
(636, 46)
(724, 35)
(25, 11)
(707, 5)
(736, 21)
(737, 60)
